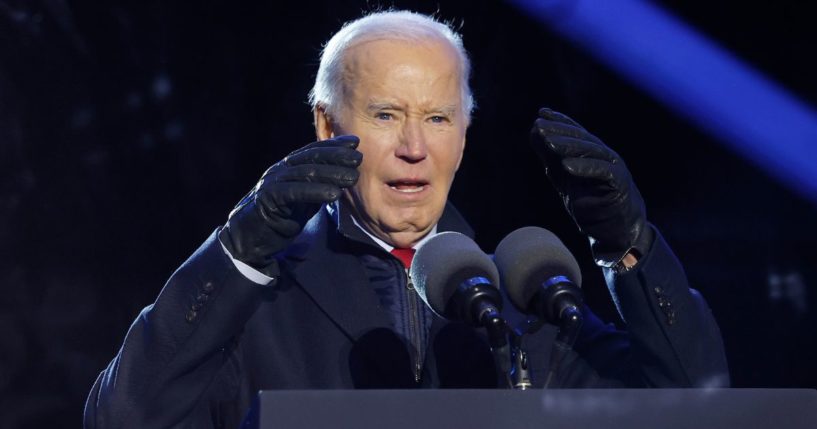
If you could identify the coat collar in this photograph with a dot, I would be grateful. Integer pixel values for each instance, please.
(324, 261)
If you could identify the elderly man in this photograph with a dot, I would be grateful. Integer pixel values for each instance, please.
(306, 287)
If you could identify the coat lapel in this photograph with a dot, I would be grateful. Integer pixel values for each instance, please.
(325, 262)
(330, 272)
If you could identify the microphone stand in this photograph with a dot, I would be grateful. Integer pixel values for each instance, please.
(478, 304)
(520, 374)
(510, 359)
(560, 299)
(498, 330)
(569, 326)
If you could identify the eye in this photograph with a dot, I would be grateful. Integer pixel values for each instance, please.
(438, 119)
(384, 116)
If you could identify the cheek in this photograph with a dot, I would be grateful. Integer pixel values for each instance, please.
(368, 178)
(371, 171)
(376, 149)
(450, 158)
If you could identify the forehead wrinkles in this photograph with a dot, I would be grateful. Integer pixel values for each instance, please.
(377, 66)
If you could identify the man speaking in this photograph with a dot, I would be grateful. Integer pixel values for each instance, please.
(305, 286)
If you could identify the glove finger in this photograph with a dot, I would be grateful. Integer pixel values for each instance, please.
(342, 177)
(546, 129)
(349, 142)
(551, 160)
(568, 147)
(291, 194)
(591, 169)
(334, 155)
(553, 115)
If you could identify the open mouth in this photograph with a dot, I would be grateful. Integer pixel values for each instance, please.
(407, 186)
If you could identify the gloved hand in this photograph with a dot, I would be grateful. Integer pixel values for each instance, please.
(287, 196)
(595, 185)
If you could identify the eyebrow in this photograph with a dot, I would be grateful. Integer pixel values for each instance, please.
(382, 106)
(449, 110)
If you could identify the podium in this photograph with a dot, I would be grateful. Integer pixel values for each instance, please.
(558, 408)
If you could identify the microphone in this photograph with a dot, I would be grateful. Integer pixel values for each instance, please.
(456, 278)
(540, 275)
(458, 281)
(542, 278)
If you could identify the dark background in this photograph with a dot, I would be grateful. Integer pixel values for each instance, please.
(128, 130)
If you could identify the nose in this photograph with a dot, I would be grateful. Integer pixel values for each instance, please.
(412, 147)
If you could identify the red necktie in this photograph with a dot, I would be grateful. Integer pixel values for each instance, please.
(404, 255)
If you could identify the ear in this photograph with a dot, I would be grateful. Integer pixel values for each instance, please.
(324, 128)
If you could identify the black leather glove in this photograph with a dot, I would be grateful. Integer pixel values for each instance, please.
(287, 196)
(595, 185)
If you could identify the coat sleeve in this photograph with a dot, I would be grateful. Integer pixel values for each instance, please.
(671, 337)
(179, 349)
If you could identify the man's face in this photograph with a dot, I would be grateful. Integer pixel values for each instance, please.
(403, 100)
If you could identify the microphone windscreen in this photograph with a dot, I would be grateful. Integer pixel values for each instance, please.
(528, 257)
(445, 261)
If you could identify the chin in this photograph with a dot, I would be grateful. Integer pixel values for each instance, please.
(413, 219)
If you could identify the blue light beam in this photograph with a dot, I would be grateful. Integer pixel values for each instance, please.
(697, 79)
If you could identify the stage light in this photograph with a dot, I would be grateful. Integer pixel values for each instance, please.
(695, 78)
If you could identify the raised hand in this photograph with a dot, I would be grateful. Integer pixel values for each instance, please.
(595, 185)
(289, 193)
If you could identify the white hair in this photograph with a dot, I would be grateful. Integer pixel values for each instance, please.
(388, 25)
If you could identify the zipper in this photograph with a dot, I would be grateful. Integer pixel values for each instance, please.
(414, 328)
